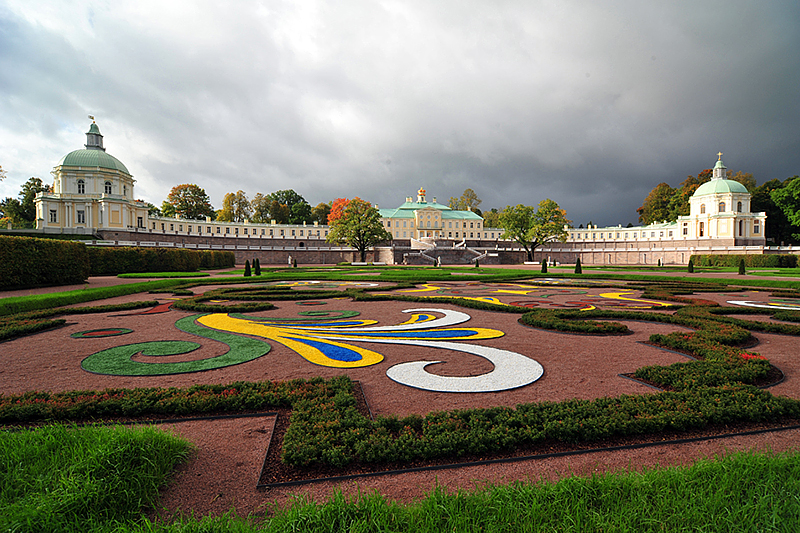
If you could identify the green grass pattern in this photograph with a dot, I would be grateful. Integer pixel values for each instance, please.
(118, 361)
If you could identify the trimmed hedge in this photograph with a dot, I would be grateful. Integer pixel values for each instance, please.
(126, 259)
(27, 262)
(750, 261)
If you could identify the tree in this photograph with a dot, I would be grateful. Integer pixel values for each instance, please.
(666, 204)
(656, 206)
(300, 213)
(260, 205)
(787, 198)
(290, 199)
(320, 212)
(337, 209)
(152, 210)
(491, 219)
(359, 225)
(190, 202)
(778, 228)
(235, 207)
(2, 173)
(167, 209)
(746, 179)
(468, 201)
(22, 211)
(531, 227)
(284, 207)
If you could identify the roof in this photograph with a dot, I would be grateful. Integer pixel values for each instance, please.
(716, 186)
(408, 209)
(92, 158)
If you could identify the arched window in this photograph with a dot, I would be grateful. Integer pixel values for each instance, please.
(81, 187)
(108, 187)
(702, 208)
(702, 228)
(739, 207)
(722, 207)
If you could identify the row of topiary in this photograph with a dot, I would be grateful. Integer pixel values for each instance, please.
(27, 262)
(750, 261)
(107, 261)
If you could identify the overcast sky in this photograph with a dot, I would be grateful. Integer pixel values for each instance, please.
(591, 104)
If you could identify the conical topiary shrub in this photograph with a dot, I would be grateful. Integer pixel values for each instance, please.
(544, 266)
(256, 267)
(690, 266)
(741, 267)
(247, 272)
(578, 269)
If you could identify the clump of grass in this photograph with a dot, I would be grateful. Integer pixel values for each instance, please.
(741, 492)
(62, 478)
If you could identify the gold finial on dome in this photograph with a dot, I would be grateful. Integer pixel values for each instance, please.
(719, 156)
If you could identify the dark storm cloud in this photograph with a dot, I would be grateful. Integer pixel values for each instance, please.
(590, 105)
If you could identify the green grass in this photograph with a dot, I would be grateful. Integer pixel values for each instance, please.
(19, 304)
(740, 492)
(164, 275)
(62, 478)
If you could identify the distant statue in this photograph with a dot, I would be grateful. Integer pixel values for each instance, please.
(290, 260)
(438, 260)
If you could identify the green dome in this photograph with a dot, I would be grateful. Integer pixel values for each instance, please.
(92, 158)
(720, 186)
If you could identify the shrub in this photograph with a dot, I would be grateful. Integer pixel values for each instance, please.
(257, 267)
(750, 261)
(741, 267)
(29, 262)
(544, 266)
(690, 266)
(578, 269)
(247, 273)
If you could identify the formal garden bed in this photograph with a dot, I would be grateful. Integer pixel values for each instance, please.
(324, 429)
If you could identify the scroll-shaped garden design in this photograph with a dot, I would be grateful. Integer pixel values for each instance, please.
(327, 429)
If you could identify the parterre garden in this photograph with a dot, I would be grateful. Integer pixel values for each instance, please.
(721, 386)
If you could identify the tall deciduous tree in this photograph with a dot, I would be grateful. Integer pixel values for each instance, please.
(320, 212)
(337, 209)
(778, 228)
(2, 173)
(491, 218)
(656, 206)
(260, 207)
(22, 211)
(190, 201)
(531, 227)
(284, 207)
(235, 207)
(746, 179)
(359, 225)
(787, 198)
(468, 201)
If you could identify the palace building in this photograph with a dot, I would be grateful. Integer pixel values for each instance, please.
(422, 220)
(92, 190)
(93, 193)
